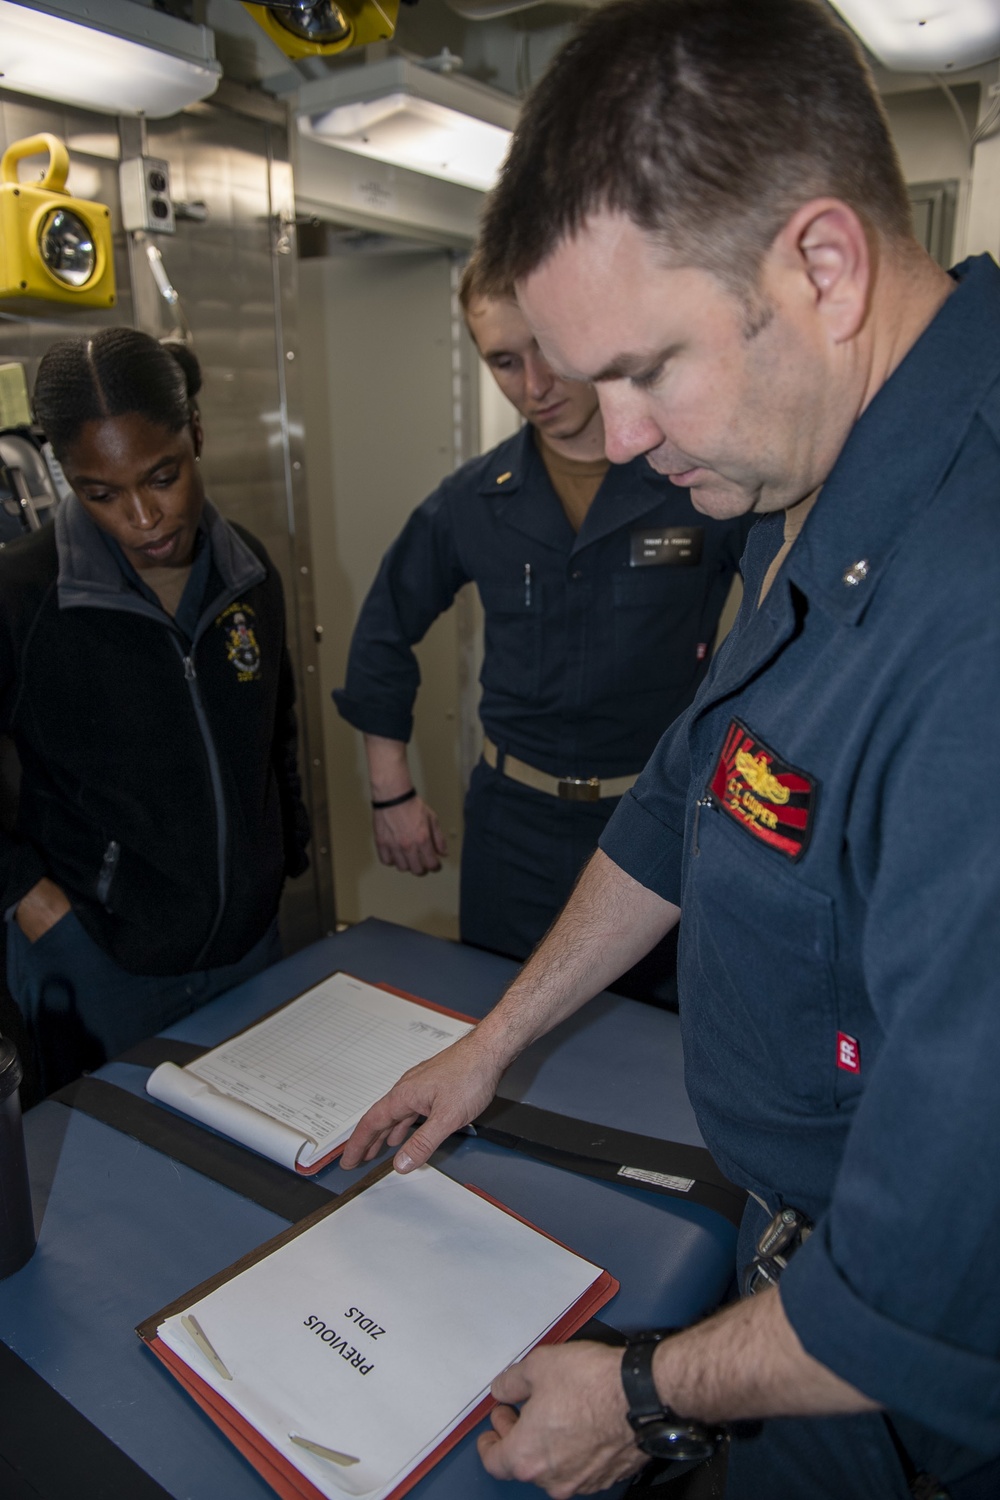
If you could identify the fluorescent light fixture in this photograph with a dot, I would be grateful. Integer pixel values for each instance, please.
(921, 36)
(397, 112)
(111, 56)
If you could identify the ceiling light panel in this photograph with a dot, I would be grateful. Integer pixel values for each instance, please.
(399, 113)
(914, 37)
(419, 135)
(132, 61)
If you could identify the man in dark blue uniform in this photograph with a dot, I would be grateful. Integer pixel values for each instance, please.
(602, 590)
(702, 212)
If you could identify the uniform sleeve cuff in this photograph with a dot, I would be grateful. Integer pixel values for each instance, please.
(373, 719)
(951, 1390)
(645, 848)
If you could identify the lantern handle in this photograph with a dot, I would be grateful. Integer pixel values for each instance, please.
(54, 179)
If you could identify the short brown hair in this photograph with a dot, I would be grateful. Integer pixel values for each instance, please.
(707, 123)
(472, 287)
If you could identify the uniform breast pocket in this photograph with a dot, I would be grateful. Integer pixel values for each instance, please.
(657, 617)
(512, 655)
(759, 945)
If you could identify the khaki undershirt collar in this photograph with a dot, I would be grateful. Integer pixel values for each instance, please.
(575, 481)
(168, 584)
(795, 518)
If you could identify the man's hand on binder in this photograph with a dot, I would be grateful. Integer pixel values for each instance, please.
(571, 1435)
(608, 924)
(448, 1090)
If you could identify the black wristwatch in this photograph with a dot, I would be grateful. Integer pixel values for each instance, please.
(659, 1431)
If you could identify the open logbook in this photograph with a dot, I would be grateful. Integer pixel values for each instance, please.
(294, 1086)
(348, 1355)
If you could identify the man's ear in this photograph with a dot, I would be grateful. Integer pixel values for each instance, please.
(197, 434)
(825, 244)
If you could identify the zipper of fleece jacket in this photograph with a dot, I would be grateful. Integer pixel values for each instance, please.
(136, 604)
(221, 821)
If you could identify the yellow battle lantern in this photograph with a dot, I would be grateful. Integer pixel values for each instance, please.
(52, 246)
(322, 28)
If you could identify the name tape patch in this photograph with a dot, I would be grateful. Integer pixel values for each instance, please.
(772, 800)
(661, 1179)
(667, 547)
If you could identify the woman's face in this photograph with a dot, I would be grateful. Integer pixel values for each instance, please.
(140, 483)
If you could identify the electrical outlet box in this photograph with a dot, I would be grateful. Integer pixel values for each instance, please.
(146, 200)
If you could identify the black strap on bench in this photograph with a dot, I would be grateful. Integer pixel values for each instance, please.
(154, 1050)
(262, 1181)
(684, 1172)
(50, 1451)
(687, 1173)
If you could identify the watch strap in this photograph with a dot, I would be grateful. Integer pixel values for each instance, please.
(637, 1375)
(659, 1431)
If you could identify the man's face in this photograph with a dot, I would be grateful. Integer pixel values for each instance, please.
(139, 482)
(745, 420)
(558, 408)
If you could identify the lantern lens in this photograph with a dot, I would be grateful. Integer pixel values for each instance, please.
(67, 247)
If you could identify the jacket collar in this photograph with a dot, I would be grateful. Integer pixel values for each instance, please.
(525, 499)
(517, 477)
(899, 451)
(90, 576)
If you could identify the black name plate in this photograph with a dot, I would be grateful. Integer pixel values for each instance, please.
(668, 547)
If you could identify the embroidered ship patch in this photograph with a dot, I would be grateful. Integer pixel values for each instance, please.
(762, 793)
(242, 650)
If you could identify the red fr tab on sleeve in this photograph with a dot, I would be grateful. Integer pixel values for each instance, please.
(848, 1053)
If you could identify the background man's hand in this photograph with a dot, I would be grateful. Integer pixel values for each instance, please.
(410, 837)
(571, 1435)
(450, 1089)
(40, 909)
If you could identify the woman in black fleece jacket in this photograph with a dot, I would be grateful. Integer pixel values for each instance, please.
(146, 683)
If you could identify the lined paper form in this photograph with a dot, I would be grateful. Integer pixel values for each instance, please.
(309, 1071)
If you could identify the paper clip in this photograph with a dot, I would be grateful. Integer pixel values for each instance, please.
(192, 1327)
(343, 1459)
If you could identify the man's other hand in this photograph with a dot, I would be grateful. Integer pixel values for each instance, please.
(410, 837)
(43, 906)
(450, 1090)
(571, 1434)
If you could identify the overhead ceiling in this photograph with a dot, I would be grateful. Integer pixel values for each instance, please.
(505, 43)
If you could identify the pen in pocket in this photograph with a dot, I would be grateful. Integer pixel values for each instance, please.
(527, 585)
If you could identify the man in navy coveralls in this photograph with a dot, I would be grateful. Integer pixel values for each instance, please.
(702, 213)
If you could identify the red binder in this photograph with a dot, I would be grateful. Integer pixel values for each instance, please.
(282, 1476)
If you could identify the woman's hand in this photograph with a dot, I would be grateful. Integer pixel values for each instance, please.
(43, 906)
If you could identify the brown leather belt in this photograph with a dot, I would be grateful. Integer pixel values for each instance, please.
(569, 788)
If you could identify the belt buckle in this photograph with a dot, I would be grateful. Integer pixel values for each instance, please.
(579, 788)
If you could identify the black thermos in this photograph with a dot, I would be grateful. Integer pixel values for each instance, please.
(17, 1229)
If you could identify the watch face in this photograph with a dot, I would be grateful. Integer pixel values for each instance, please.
(666, 1437)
